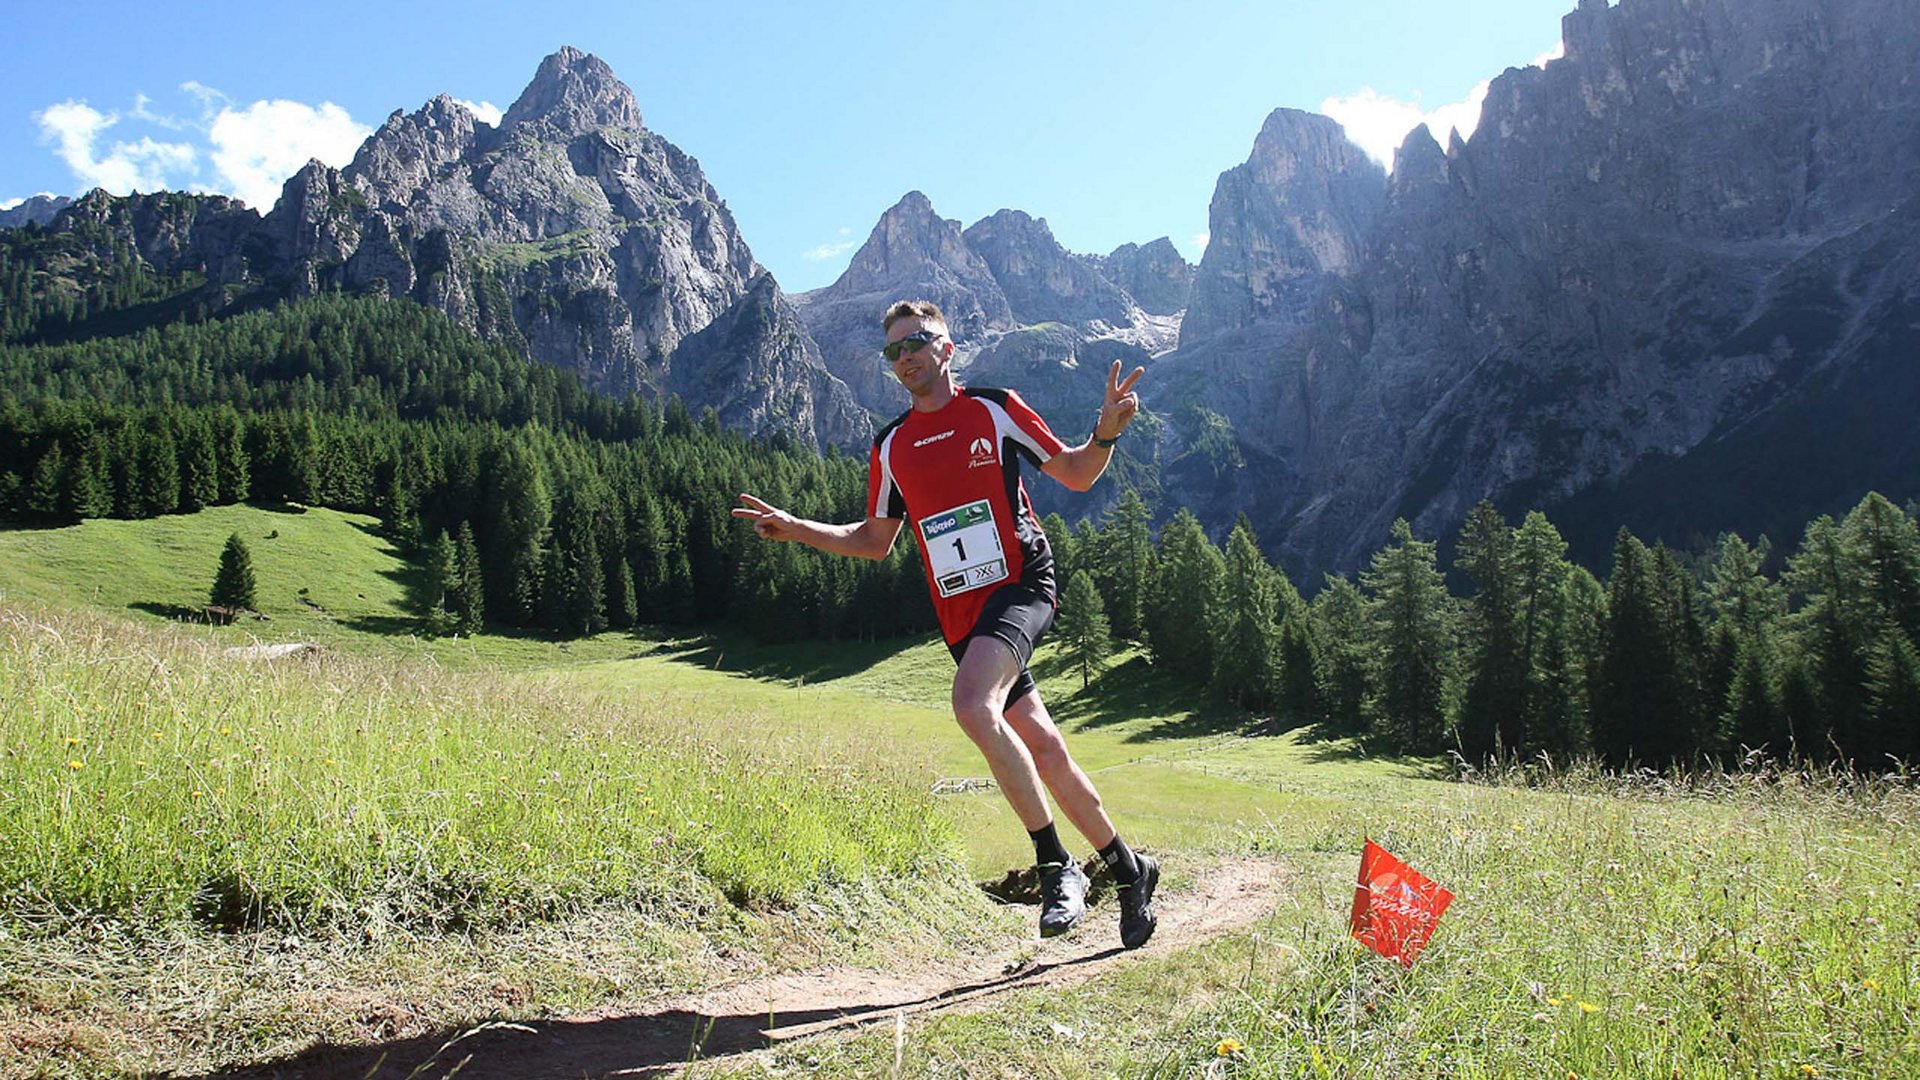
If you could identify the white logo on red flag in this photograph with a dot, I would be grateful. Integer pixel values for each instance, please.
(1395, 907)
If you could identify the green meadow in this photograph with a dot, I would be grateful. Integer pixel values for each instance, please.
(210, 860)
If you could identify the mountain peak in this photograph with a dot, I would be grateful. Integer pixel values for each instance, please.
(575, 91)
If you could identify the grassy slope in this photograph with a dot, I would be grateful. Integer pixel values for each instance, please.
(1753, 930)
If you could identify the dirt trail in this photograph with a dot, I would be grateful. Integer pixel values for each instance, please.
(751, 1015)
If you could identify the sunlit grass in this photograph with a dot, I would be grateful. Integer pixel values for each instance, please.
(148, 779)
(1754, 928)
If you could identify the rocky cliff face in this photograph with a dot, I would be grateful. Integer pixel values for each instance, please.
(38, 210)
(1157, 276)
(1023, 310)
(1296, 214)
(570, 231)
(1690, 225)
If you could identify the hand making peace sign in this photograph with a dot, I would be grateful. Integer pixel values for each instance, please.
(1121, 403)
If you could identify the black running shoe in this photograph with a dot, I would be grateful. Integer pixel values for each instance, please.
(1063, 898)
(1136, 904)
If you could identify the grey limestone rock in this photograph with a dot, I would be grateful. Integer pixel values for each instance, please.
(1156, 275)
(1297, 212)
(1682, 234)
(570, 232)
(38, 210)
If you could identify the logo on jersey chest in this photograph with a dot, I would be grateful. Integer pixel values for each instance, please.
(981, 453)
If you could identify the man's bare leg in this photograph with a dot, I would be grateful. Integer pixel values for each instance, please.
(1136, 875)
(987, 673)
(1072, 789)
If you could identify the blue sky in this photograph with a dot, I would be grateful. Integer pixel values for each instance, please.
(1111, 120)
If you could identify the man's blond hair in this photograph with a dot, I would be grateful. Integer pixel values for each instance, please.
(924, 310)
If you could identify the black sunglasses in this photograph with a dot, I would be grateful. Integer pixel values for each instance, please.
(912, 343)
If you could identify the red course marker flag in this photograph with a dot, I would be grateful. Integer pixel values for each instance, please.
(1395, 907)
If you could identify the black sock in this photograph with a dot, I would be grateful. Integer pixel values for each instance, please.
(1047, 847)
(1119, 859)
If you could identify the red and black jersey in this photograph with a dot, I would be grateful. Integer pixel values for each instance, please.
(955, 475)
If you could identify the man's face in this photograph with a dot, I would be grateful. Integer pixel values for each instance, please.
(921, 370)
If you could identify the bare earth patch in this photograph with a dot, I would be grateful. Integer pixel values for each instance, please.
(747, 1016)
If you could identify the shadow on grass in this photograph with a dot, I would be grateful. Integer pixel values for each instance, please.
(647, 1044)
(1133, 690)
(1326, 747)
(385, 625)
(805, 662)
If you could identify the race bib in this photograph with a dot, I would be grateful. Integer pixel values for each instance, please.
(963, 547)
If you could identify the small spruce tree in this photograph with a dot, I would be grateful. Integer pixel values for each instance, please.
(233, 586)
(1083, 626)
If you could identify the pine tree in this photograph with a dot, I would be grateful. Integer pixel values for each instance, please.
(465, 599)
(1246, 644)
(1083, 626)
(1571, 639)
(442, 578)
(1498, 668)
(1893, 687)
(91, 476)
(1413, 623)
(1652, 704)
(1343, 644)
(1833, 630)
(233, 585)
(199, 464)
(1125, 565)
(1182, 607)
(50, 488)
(1299, 687)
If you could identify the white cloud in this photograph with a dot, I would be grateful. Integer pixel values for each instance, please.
(1378, 124)
(485, 111)
(74, 127)
(1201, 240)
(846, 243)
(828, 251)
(255, 149)
(251, 150)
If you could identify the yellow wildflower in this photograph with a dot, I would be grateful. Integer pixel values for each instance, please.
(73, 740)
(1809, 1070)
(1872, 984)
(1556, 1001)
(1589, 1007)
(1228, 1047)
(76, 764)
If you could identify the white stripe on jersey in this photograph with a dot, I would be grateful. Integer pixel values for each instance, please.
(889, 487)
(1005, 428)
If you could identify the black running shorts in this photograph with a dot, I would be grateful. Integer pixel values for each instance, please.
(1018, 615)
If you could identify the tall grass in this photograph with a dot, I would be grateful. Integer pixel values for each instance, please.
(151, 779)
(1680, 926)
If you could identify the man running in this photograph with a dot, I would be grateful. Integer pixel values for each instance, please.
(951, 465)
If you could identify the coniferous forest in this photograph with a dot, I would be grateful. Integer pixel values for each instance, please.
(529, 502)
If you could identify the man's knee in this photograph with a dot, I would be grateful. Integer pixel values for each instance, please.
(976, 714)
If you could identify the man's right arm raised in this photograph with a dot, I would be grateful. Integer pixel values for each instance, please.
(869, 539)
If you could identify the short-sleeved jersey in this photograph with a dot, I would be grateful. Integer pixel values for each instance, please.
(954, 475)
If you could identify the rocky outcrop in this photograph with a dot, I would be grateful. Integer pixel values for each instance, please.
(39, 210)
(1043, 282)
(912, 254)
(1688, 231)
(571, 232)
(758, 368)
(1023, 310)
(1295, 214)
(1157, 276)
